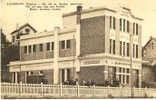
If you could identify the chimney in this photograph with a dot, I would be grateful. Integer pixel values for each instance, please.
(79, 11)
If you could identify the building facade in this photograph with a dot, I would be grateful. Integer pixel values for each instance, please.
(95, 44)
(149, 63)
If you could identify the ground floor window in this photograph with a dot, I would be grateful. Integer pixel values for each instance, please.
(65, 75)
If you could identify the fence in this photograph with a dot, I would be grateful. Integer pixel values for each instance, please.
(13, 89)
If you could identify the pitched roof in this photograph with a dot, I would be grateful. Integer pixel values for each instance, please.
(27, 24)
(151, 38)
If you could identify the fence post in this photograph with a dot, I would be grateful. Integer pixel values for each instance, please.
(93, 90)
(61, 89)
(120, 91)
(108, 90)
(42, 93)
(77, 89)
(20, 87)
(145, 91)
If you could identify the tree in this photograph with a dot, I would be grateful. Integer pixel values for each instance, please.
(5, 58)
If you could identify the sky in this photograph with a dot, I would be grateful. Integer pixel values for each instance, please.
(15, 15)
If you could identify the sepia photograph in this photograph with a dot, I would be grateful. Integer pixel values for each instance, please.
(78, 49)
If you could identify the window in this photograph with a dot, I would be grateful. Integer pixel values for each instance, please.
(17, 36)
(41, 47)
(133, 50)
(63, 72)
(63, 44)
(128, 26)
(127, 70)
(136, 51)
(52, 46)
(133, 28)
(110, 49)
(68, 43)
(128, 49)
(120, 24)
(68, 74)
(34, 48)
(31, 73)
(127, 79)
(124, 25)
(113, 46)
(123, 70)
(114, 23)
(41, 72)
(25, 49)
(120, 78)
(27, 30)
(123, 78)
(27, 73)
(136, 29)
(29, 48)
(120, 70)
(121, 48)
(48, 46)
(13, 38)
(110, 21)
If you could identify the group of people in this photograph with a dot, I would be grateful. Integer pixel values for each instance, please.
(111, 83)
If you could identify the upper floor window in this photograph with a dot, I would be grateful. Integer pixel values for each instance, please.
(110, 21)
(34, 48)
(123, 78)
(113, 46)
(52, 46)
(17, 36)
(133, 50)
(127, 79)
(13, 38)
(114, 23)
(133, 28)
(123, 70)
(48, 46)
(136, 29)
(110, 48)
(127, 70)
(29, 48)
(121, 48)
(120, 24)
(124, 25)
(127, 49)
(41, 47)
(68, 43)
(136, 51)
(128, 26)
(25, 49)
(120, 70)
(63, 44)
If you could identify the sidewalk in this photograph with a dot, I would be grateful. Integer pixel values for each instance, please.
(63, 97)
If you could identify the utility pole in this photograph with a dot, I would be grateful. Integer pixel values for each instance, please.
(18, 40)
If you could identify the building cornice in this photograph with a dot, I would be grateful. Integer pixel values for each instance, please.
(88, 11)
(40, 35)
(104, 55)
(85, 11)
